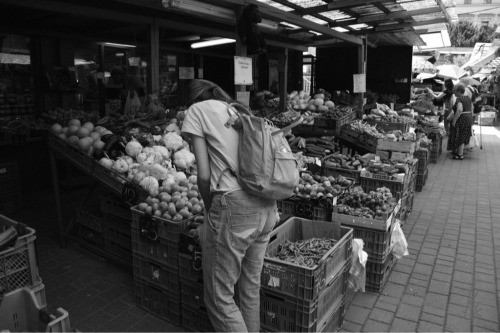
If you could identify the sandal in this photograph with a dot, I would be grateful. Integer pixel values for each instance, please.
(460, 157)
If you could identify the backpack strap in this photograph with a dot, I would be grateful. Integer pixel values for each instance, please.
(228, 167)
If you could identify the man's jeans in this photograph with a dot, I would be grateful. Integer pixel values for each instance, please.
(234, 238)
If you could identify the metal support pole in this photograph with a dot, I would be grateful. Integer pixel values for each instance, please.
(57, 199)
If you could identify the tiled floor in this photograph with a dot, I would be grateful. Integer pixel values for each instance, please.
(449, 282)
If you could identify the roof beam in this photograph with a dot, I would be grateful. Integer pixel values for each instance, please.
(398, 15)
(273, 13)
(443, 7)
(340, 4)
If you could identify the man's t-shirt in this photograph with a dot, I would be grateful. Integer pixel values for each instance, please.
(207, 119)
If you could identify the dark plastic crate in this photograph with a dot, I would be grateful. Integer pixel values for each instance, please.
(377, 274)
(91, 237)
(109, 178)
(196, 320)
(397, 189)
(90, 220)
(114, 205)
(335, 321)
(117, 236)
(389, 126)
(18, 263)
(159, 226)
(190, 266)
(160, 302)
(192, 294)
(159, 249)
(290, 314)
(286, 209)
(335, 124)
(377, 243)
(299, 281)
(335, 172)
(306, 209)
(436, 148)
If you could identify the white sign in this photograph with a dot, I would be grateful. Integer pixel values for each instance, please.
(186, 73)
(243, 70)
(243, 97)
(359, 83)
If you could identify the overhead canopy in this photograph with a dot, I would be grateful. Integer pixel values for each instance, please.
(482, 55)
(326, 22)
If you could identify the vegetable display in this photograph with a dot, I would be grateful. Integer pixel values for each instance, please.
(362, 127)
(348, 162)
(306, 253)
(374, 205)
(316, 187)
(314, 147)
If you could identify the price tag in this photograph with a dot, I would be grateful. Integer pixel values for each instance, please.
(334, 201)
(274, 282)
(318, 161)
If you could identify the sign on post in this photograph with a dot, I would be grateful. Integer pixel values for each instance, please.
(243, 71)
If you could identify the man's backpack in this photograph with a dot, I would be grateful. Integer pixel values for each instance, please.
(476, 100)
(267, 167)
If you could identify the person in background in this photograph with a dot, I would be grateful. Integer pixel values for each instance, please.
(236, 232)
(448, 99)
(461, 129)
(119, 84)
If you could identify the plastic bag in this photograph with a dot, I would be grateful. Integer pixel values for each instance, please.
(132, 105)
(357, 272)
(399, 245)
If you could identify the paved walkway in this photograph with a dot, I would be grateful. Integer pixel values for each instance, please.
(451, 279)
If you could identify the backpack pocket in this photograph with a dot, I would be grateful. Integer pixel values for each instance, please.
(285, 167)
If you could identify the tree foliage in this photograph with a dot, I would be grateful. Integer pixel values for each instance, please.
(466, 34)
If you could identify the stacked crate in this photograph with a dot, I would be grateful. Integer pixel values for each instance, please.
(194, 312)
(155, 247)
(116, 227)
(18, 262)
(300, 299)
(423, 168)
(436, 147)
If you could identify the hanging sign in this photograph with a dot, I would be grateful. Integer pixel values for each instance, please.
(186, 73)
(243, 70)
(243, 97)
(359, 83)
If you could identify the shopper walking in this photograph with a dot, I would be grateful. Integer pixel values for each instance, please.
(460, 132)
(236, 232)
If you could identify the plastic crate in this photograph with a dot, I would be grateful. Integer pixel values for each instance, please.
(298, 281)
(192, 294)
(361, 222)
(397, 189)
(421, 180)
(159, 226)
(291, 314)
(286, 209)
(196, 320)
(73, 154)
(160, 302)
(117, 236)
(335, 172)
(18, 263)
(111, 179)
(20, 311)
(334, 124)
(114, 205)
(190, 267)
(306, 209)
(91, 237)
(334, 321)
(362, 140)
(436, 148)
(159, 249)
(10, 195)
(40, 295)
(377, 244)
(397, 146)
(157, 274)
(89, 220)
(377, 274)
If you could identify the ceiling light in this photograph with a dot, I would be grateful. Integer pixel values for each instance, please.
(268, 24)
(119, 54)
(212, 42)
(200, 8)
(117, 45)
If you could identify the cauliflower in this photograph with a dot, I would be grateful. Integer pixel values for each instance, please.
(163, 151)
(172, 141)
(178, 176)
(183, 159)
(185, 145)
(173, 128)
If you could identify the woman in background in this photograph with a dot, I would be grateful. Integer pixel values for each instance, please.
(448, 99)
(461, 122)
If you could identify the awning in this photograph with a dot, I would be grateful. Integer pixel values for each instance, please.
(482, 54)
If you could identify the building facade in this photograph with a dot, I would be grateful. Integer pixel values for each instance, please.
(479, 12)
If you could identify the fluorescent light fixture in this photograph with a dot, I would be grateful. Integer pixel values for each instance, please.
(119, 54)
(311, 50)
(200, 8)
(118, 45)
(212, 42)
(79, 61)
(268, 24)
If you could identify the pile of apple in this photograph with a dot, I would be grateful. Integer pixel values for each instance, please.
(86, 137)
(175, 202)
(316, 187)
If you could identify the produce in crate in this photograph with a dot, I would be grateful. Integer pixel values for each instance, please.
(306, 253)
(314, 147)
(374, 205)
(286, 118)
(348, 162)
(316, 186)
(362, 127)
(298, 100)
(335, 111)
(175, 201)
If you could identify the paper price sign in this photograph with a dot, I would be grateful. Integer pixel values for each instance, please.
(243, 70)
(186, 73)
(359, 83)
